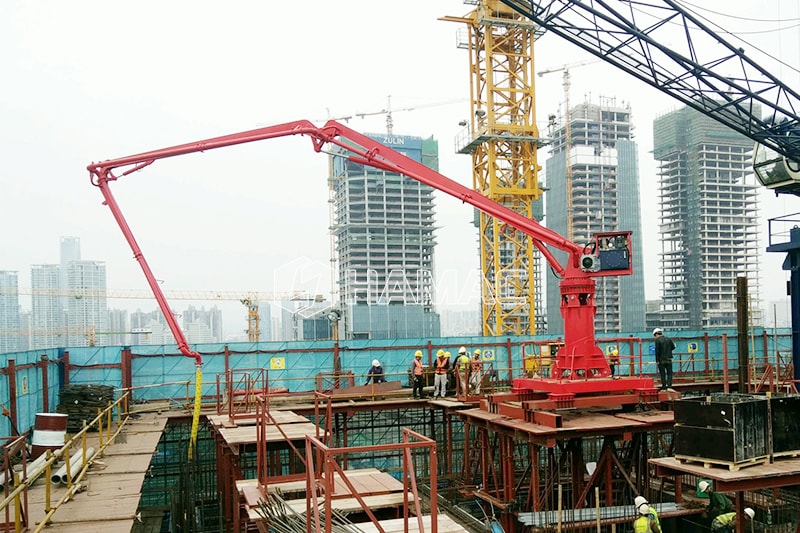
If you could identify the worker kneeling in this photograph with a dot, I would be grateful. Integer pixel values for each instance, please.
(646, 523)
(726, 523)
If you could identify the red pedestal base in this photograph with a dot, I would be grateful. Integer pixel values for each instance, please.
(588, 386)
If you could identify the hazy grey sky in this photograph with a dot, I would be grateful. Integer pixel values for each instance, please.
(91, 80)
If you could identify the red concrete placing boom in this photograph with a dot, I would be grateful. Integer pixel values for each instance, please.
(580, 366)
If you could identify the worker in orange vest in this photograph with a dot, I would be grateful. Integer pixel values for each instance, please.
(441, 368)
(416, 373)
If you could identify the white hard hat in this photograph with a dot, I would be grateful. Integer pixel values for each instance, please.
(749, 512)
(375, 362)
(463, 349)
(657, 331)
(703, 486)
(643, 509)
(639, 500)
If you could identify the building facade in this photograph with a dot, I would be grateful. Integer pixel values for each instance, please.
(47, 315)
(383, 232)
(709, 225)
(87, 314)
(9, 312)
(593, 186)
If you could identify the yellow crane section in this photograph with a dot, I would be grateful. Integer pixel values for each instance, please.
(503, 139)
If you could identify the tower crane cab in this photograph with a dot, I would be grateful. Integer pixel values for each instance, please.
(775, 171)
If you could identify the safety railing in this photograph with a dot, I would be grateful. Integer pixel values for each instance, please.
(103, 424)
(323, 472)
(16, 517)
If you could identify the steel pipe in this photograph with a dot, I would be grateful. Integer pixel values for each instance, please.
(75, 464)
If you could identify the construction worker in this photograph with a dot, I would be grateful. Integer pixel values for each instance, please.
(417, 374)
(717, 503)
(646, 522)
(375, 373)
(664, 347)
(441, 367)
(462, 369)
(476, 374)
(639, 501)
(726, 523)
(613, 361)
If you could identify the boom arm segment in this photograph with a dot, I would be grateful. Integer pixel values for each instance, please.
(704, 72)
(583, 262)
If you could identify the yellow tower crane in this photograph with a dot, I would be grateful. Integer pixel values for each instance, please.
(503, 140)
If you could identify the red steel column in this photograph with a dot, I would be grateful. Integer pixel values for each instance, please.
(43, 362)
(126, 368)
(11, 371)
(65, 361)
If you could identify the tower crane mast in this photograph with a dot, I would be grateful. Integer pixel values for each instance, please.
(503, 140)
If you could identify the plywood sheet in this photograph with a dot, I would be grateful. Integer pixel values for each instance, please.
(247, 434)
(444, 524)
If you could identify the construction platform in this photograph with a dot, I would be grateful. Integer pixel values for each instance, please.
(782, 472)
(284, 435)
(111, 490)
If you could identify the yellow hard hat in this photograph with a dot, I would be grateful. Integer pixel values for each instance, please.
(418, 353)
(440, 353)
(447, 354)
(615, 352)
(477, 352)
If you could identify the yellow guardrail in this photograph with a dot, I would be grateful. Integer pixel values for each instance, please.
(103, 422)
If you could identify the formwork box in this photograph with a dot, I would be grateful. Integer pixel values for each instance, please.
(785, 419)
(731, 429)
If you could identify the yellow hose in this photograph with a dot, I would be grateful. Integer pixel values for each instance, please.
(198, 389)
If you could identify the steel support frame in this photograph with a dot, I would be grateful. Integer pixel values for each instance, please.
(323, 463)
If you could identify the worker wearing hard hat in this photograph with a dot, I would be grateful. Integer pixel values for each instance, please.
(726, 523)
(717, 503)
(462, 371)
(375, 373)
(641, 500)
(441, 367)
(417, 374)
(664, 348)
(613, 362)
(646, 522)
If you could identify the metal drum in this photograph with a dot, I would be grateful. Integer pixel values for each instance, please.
(49, 432)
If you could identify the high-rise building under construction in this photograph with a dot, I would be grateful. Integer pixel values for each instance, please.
(383, 228)
(708, 221)
(593, 186)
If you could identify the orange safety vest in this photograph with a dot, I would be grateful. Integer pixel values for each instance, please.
(417, 367)
(441, 365)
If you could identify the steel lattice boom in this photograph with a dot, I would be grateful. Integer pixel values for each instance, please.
(703, 70)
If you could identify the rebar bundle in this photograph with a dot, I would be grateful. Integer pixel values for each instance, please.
(81, 403)
(281, 518)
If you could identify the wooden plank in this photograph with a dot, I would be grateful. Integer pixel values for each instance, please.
(251, 495)
(300, 486)
(106, 526)
(98, 508)
(247, 434)
(347, 505)
(777, 469)
(444, 524)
